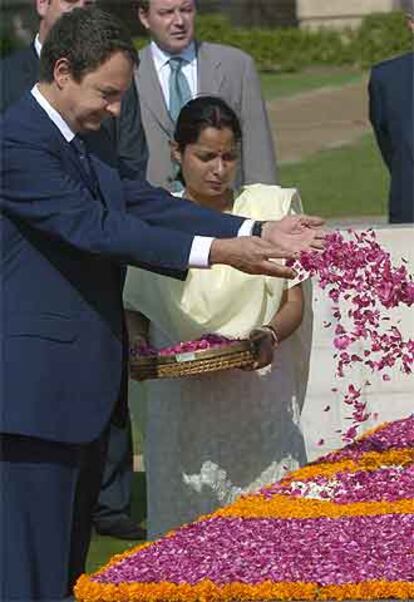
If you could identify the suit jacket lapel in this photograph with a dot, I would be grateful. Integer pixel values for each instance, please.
(149, 90)
(210, 75)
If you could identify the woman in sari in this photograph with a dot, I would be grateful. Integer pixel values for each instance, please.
(211, 437)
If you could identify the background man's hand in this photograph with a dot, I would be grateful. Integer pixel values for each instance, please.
(250, 254)
(294, 233)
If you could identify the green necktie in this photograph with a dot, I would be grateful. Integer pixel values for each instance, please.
(180, 92)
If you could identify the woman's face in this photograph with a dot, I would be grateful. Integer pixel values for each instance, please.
(209, 165)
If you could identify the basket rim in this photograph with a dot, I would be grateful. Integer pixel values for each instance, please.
(228, 349)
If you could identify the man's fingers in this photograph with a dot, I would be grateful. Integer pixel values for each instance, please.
(318, 243)
(271, 268)
(312, 220)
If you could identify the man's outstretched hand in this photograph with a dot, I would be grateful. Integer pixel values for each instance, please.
(295, 233)
(280, 240)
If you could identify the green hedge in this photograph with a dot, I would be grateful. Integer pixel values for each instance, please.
(290, 49)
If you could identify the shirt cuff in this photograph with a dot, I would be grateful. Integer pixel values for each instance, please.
(201, 245)
(200, 252)
(246, 228)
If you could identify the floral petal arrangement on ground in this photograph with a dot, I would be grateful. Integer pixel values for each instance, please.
(356, 270)
(340, 528)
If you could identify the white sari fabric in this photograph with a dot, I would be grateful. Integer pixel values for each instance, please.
(211, 437)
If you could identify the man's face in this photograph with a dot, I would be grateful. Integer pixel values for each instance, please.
(50, 10)
(170, 23)
(85, 104)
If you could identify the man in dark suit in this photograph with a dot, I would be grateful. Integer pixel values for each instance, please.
(391, 109)
(19, 72)
(70, 222)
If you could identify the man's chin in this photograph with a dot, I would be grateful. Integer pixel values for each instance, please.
(91, 126)
(177, 45)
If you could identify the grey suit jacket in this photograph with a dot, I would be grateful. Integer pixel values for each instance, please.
(123, 136)
(222, 71)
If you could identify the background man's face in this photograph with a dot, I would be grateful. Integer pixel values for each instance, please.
(50, 10)
(170, 23)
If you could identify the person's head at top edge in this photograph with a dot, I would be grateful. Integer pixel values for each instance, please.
(407, 6)
(206, 147)
(170, 23)
(49, 12)
(86, 66)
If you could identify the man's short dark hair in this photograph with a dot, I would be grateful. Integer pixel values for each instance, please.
(86, 37)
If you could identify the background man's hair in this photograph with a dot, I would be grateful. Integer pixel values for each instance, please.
(144, 4)
(86, 37)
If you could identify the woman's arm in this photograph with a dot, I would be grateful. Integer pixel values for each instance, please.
(285, 321)
(290, 313)
(137, 326)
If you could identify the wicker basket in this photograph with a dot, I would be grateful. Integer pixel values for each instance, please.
(239, 354)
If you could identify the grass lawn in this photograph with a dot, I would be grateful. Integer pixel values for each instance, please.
(345, 182)
(277, 85)
(103, 548)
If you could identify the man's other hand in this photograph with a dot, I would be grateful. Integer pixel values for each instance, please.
(250, 254)
(294, 233)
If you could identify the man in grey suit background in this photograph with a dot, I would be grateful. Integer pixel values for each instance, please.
(175, 67)
(19, 72)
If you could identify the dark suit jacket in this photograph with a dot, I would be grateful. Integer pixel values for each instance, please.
(120, 142)
(61, 295)
(126, 136)
(391, 95)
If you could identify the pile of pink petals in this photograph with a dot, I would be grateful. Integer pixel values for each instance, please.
(207, 341)
(344, 522)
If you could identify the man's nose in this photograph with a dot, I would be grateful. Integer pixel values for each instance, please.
(178, 18)
(114, 108)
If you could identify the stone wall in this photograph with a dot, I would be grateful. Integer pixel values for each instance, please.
(340, 13)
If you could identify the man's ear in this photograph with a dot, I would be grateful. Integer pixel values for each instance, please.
(175, 152)
(143, 17)
(62, 72)
(42, 7)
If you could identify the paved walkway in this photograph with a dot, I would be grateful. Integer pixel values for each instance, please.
(319, 119)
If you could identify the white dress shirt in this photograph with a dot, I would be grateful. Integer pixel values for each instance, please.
(37, 45)
(201, 245)
(163, 70)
